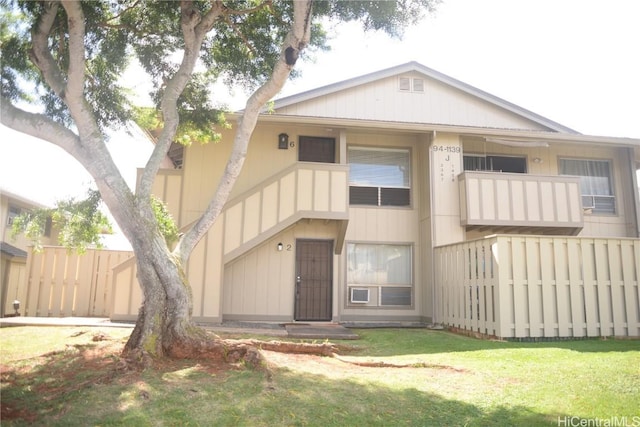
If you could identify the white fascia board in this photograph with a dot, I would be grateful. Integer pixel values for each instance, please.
(512, 134)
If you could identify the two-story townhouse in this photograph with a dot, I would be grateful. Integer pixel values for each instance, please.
(406, 196)
(13, 250)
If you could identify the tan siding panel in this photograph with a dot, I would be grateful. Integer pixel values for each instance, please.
(287, 193)
(233, 227)
(503, 209)
(548, 211)
(212, 289)
(196, 272)
(561, 202)
(518, 198)
(488, 199)
(321, 193)
(251, 217)
(269, 207)
(338, 191)
(532, 205)
(305, 189)
(473, 198)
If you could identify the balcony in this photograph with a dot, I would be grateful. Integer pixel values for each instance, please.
(517, 203)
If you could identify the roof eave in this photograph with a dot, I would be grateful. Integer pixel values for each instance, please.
(525, 135)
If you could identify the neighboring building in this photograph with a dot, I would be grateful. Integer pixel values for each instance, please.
(13, 252)
(353, 194)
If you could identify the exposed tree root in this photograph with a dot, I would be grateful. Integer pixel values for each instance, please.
(245, 351)
(381, 364)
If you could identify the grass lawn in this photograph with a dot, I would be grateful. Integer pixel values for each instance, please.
(390, 377)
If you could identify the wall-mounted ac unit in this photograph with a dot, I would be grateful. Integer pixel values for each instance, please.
(588, 202)
(359, 296)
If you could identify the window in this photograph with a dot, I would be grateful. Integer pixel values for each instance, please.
(384, 268)
(418, 85)
(404, 84)
(316, 149)
(379, 176)
(407, 84)
(510, 164)
(13, 213)
(595, 183)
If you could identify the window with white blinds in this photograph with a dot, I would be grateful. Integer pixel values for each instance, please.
(379, 176)
(384, 269)
(595, 183)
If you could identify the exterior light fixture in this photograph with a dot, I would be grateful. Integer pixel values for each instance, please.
(16, 307)
(280, 247)
(283, 141)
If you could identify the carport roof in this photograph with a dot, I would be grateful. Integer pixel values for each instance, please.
(11, 250)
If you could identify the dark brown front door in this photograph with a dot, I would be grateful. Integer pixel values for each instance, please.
(316, 149)
(314, 273)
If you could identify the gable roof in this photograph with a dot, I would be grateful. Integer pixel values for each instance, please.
(433, 74)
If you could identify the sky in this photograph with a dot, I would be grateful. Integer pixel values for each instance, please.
(576, 62)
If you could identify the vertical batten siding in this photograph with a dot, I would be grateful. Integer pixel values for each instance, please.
(489, 198)
(14, 276)
(302, 190)
(540, 287)
(382, 100)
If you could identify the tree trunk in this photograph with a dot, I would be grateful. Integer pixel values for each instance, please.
(164, 327)
(164, 320)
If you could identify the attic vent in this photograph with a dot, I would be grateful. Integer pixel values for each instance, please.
(404, 84)
(418, 85)
(359, 295)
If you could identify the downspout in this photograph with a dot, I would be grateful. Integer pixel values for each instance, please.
(431, 215)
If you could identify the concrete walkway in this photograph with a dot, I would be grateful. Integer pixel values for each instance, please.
(331, 331)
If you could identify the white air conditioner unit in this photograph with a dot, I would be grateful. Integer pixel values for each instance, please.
(588, 202)
(359, 296)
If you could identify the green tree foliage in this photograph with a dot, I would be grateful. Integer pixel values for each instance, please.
(166, 224)
(80, 224)
(240, 50)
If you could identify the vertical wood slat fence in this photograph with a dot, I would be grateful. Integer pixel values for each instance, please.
(539, 287)
(62, 283)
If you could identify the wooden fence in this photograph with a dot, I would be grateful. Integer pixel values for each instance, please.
(62, 283)
(12, 278)
(538, 287)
